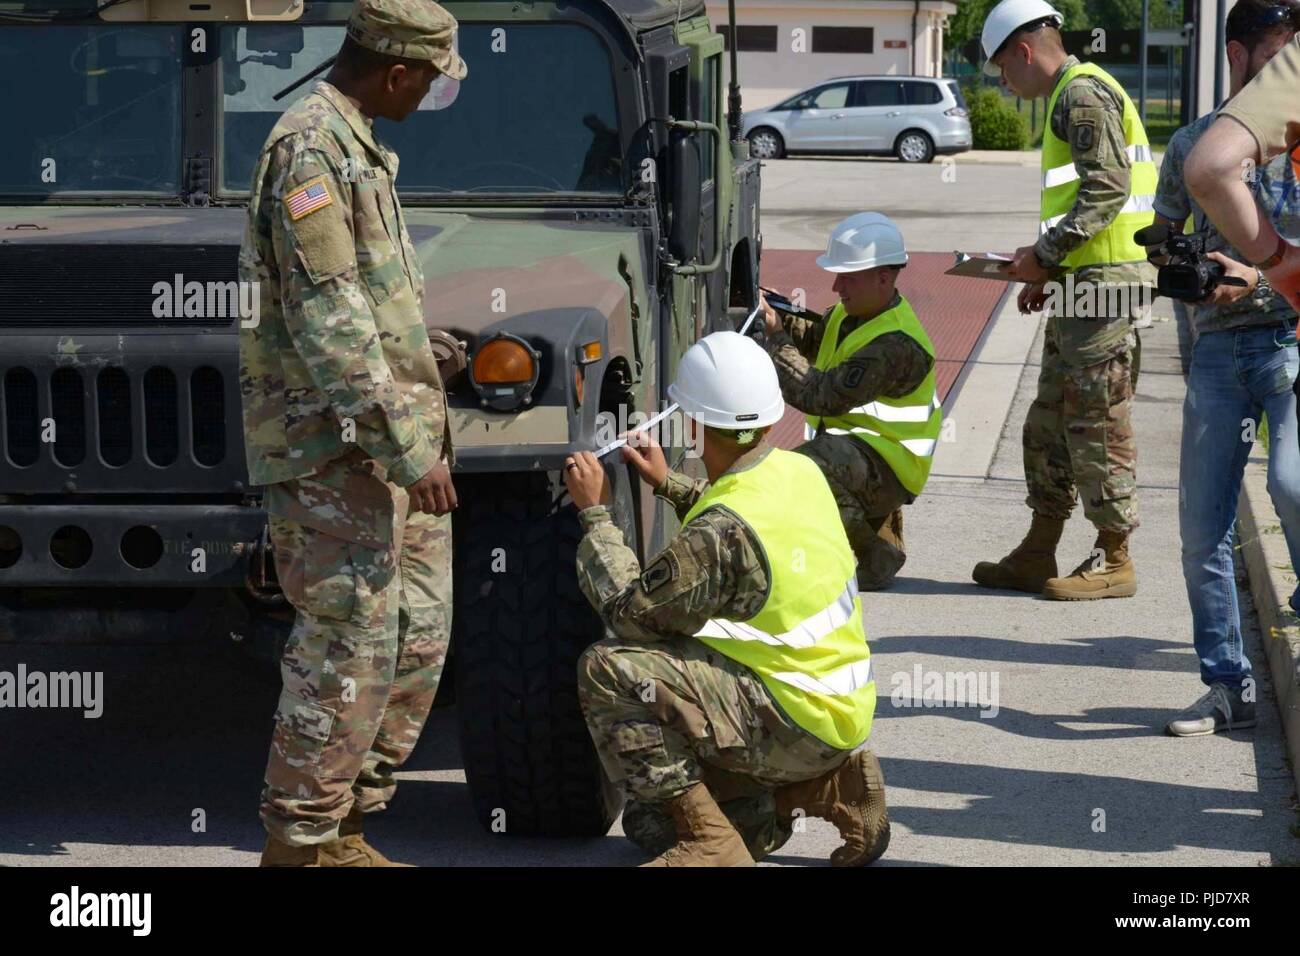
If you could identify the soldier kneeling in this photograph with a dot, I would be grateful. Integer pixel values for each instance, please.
(739, 671)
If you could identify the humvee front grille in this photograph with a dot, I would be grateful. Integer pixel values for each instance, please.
(22, 420)
(106, 423)
(55, 285)
(113, 393)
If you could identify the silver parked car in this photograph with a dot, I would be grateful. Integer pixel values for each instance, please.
(912, 117)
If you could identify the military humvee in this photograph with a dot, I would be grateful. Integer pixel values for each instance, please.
(575, 203)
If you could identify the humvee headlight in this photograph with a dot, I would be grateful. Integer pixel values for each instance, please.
(504, 372)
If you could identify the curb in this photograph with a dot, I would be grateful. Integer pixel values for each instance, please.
(1012, 157)
(1268, 565)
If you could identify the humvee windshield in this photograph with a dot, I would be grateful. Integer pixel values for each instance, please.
(90, 109)
(537, 113)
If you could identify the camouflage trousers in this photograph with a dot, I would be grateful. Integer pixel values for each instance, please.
(870, 498)
(360, 670)
(1078, 437)
(667, 715)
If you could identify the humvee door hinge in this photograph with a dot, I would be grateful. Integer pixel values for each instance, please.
(198, 181)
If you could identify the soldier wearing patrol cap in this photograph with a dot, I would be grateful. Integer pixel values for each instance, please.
(345, 424)
(1098, 185)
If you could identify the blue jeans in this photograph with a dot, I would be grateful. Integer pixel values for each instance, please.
(1234, 376)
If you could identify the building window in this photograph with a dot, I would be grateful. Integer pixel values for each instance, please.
(843, 40)
(750, 39)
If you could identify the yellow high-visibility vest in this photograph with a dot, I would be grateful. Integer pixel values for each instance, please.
(806, 642)
(1115, 243)
(904, 431)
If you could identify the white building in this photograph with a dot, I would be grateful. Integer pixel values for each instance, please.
(788, 45)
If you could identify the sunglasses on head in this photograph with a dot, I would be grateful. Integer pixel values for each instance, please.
(1275, 16)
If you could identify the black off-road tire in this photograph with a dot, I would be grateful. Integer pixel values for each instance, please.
(517, 636)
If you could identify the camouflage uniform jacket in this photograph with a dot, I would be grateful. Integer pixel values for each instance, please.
(1089, 115)
(713, 568)
(890, 365)
(340, 360)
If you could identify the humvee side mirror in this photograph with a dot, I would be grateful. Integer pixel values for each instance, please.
(684, 195)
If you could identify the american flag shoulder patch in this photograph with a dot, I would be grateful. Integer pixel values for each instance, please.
(308, 198)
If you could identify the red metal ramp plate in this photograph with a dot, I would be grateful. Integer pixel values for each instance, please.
(954, 310)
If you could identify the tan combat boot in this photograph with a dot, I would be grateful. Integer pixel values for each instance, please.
(352, 847)
(705, 837)
(1030, 565)
(852, 796)
(1098, 577)
(276, 853)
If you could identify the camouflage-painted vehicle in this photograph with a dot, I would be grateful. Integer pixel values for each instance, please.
(563, 213)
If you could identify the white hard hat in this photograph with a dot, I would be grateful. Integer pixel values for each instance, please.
(1008, 17)
(726, 380)
(864, 241)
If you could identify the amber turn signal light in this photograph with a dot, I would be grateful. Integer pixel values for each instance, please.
(505, 361)
(504, 372)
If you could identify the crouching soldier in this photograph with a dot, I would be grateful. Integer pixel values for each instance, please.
(738, 671)
(864, 376)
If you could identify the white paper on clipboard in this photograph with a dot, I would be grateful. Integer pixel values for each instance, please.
(984, 266)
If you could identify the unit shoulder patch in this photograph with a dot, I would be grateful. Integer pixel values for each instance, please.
(1083, 136)
(308, 198)
(662, 570)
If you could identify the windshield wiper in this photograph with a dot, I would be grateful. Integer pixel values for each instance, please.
(301, 80)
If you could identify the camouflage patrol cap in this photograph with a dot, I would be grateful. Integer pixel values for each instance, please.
(413, 29)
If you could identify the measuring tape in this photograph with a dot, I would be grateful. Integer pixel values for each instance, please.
(616, 445)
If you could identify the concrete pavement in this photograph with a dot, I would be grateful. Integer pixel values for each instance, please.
(1073, 769)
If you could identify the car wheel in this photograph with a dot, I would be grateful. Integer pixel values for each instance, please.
(914, 146)
(766, 143)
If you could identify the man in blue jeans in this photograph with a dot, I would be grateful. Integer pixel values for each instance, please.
(1244, 363)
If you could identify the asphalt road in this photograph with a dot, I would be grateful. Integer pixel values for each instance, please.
(942, 206)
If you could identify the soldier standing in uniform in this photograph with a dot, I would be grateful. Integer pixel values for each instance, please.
(864, 376)
(739, 671)
(1098, 186)
(345, 425)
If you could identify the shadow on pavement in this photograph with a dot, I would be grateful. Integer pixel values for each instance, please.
(1121, 650)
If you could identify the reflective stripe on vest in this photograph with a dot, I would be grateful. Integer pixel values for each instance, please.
(806, 642)
(1060, 180)
(904, 431)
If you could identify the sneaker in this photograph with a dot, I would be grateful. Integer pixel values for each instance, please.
(1220, 709)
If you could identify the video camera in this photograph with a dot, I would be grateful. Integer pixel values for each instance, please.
(1190, 274)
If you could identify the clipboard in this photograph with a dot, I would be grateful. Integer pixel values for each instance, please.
(986, 266)
(980, 266)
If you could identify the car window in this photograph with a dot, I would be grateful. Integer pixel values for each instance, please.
(879, 93)
(955, 90)
(921, 94)
(831, 97)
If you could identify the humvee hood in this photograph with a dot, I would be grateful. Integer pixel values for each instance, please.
(480, 272)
